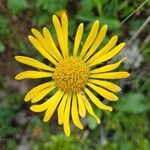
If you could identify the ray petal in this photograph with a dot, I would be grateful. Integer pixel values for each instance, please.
(106, 94)
(96, 101)
(66, 124)
(105, 49)
(97, 42)
(41, 50)
(42, 94)
(108, 55)
(39, 37)
(90, 109)
(33, 92)
(61, 109)
(32, 75)
(111, 75)
(59, 33)
(44, 43)
(49, 39)
(53, 103)
(64, 22)
(34, 63)
(106, 84)
(90, 39)
(74, 112)
(78, 38)
(82, 110)
(108, 67)
(40, 107)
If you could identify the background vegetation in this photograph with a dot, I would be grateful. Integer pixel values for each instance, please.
(127, 127)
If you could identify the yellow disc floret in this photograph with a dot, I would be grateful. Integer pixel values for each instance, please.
(71, 74)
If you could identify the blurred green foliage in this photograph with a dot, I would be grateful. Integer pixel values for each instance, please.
(15, 7)
(4, 29)
(126, 128)
(2, 47)
(133, 103)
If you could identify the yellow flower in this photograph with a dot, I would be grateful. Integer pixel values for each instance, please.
(60, 12)
(73, 73)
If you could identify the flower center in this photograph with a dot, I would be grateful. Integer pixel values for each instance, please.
(71, 74)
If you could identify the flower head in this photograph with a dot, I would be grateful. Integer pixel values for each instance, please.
(73, 73)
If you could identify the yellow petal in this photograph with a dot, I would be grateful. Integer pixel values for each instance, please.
(90, 39)
(82, 110)
(111, 75)
(64, 22)
(97, 42)
(89, 109)
(44, 43)
(109, 67)
(74, 113)
(105, 49)
(111, 43)
(78, 38)
(40, 107)
(34, 63)
(108, 55)
(33, 92)
(41, 40)
(108, 95)
(49, 104)
(106, 84)
(39, 37)
(42, 94)
(59, 33)
(49, 39)
(61, 109)
(52, 104)
(66, 124)
(41, 50)
(96, 101)
(60, 12)
(32, 75)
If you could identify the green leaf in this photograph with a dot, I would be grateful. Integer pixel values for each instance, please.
(6, 116)
(112, 23)
(132, 103)
(41, 19)
(4, 22)
(146, 53)
(86, 8)
(50, 6)
(91, 122)
(135, 24)
(16, 6)
(2, 47)
(61, 142)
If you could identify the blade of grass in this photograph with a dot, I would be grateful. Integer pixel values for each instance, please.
(142, 4)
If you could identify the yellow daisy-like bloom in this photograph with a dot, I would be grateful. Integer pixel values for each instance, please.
(73, 73)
